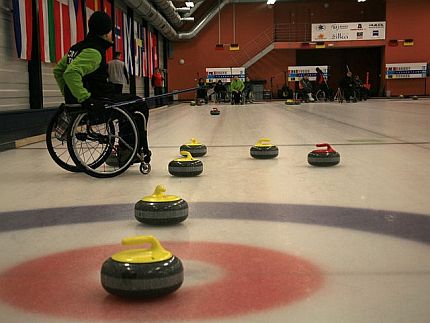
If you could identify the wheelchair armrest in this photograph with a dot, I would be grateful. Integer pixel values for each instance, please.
(73, 105)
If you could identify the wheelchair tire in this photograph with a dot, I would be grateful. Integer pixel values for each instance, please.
(93, 140)
(57, 148)
(320, 96)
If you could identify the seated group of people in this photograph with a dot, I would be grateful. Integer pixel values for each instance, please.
(240, 91)
(352, 88)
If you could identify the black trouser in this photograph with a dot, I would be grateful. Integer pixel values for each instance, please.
(157, 91)
(118, 88)
(237, 95)
(140, 113)
(348, 92)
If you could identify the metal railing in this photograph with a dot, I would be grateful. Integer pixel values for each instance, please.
(284, 32)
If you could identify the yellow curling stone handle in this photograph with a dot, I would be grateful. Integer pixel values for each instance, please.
(188, 156)
(194, 142)
(159, 196)
(263, 142)
(155, 253)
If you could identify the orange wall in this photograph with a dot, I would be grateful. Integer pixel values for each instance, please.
(251, 20)
(405, 19)
(336, 11)
(408, 19)
(273, 65)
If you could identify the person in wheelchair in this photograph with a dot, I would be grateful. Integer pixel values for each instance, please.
(82, 76)
(220, 91)
(305, 87)
(202, 92)
(347, 86)
(248, 91)
(361, 91)
(236, 88)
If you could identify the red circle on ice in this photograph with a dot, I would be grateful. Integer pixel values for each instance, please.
(67, 284)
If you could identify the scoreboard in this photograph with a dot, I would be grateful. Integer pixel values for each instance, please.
(405, 71)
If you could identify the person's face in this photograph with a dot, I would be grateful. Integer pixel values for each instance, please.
(235, 78)
(108, 36)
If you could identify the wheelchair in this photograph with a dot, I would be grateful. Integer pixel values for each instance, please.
(103, 142)
(241, 98)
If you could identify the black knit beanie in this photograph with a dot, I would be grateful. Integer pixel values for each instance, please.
(100, 23)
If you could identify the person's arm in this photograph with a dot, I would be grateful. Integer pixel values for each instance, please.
(85, 63)
(59, 71)
(242, 86)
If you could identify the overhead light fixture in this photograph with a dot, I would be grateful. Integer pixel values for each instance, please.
(361, 0)
(183, 9)
(189, 4)
(187, 18)
(271, 1)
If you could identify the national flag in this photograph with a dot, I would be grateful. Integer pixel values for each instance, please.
(108, 9)
(47, 30)
(118, 30)
(23, 26)
(62, 28)
(128, 47)
(76, 21)
(144, 52)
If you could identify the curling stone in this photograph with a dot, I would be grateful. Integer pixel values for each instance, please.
(414, 97)
(193, 103)
(185, 167)
(161, 209)
(324, 157)
(142, 273)
(215, 112)
(196, 148)
(292, 102)
(263, 149)
(401, 96)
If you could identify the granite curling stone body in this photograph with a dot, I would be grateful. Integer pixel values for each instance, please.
(161, 209)
(324, 157)
(263, 149)
(196, 148)
(186, 166)
(215, 112)
(142, 273)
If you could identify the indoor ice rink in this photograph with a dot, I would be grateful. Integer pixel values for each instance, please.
(262, 239)
(266, 240)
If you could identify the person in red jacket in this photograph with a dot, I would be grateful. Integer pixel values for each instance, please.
(157, 83)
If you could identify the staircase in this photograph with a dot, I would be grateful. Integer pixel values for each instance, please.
(264, 43)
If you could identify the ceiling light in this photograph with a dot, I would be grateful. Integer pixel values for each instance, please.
(361, 0)
(187, 18)
(271, 1)
(189, 4)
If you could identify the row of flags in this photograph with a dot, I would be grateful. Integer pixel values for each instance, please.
(61, 25)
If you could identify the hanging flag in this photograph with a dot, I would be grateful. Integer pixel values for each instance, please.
(23, 26)
(138, 49)
(153, 57)
(47, 30)
(61, 26)
(76, 21)
(119, 39)
(108, 10)
(128, 50)
(144, 53)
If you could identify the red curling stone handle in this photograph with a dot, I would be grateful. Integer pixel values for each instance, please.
(321, 151)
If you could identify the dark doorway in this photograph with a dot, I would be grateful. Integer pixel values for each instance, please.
(359, 61)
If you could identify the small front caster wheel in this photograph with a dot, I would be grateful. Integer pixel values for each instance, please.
(145, 168)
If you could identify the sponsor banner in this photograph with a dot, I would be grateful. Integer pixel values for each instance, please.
(348, 31)
(405, 71)
(225, 74)
(296, 73)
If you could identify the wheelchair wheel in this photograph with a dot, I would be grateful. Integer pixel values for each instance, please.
(320, 96)
(104, 145)
(56, 144)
